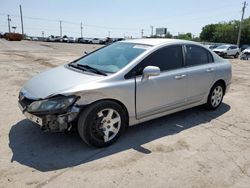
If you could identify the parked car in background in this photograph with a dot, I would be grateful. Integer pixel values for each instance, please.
(64, 39)
(245, 54)
(117, 39)
(27, 38)
(51, 38)
(57, 39)
(34, 38)
(84, 40)
(71, 40)
(123, 84)
(97, 41)
(227, 50)
(243, 47)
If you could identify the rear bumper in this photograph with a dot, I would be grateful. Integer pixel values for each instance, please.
(53, 122)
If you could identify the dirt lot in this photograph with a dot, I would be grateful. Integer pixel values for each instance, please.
(193, 148)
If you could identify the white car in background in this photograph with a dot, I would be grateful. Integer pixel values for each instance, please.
(71, 40)
(227, 50)
(97, 41)
(245, 55)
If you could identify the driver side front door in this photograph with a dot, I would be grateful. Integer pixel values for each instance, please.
(164, 92)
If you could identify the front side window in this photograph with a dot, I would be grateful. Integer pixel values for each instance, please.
(166, 58)
(114, 57)
(196, 55)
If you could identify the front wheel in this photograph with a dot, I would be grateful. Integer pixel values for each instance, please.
(215, 96)
(102, 123)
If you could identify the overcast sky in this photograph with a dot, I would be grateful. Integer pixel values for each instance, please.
(119, 17)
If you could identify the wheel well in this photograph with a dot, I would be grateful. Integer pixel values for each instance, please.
(223, 84)
(118, 102)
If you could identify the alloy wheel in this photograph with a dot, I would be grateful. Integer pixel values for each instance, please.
(217, 96)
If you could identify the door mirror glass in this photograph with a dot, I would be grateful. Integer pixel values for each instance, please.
(150, 71)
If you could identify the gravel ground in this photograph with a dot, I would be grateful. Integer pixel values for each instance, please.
(192, 148)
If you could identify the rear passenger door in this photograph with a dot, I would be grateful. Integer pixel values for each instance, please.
(200, 72)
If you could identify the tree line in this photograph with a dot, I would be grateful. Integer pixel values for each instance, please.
(223, 32)
(226, 32)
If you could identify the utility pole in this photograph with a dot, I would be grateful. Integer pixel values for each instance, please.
(60, 28)
(109, 34)
(142, 31)
(21, 15)
(9, 22)
(81, 29)
(152, 30)
(242, 18)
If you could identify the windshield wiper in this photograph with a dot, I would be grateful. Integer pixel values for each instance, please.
(87, 68)
(92, 69)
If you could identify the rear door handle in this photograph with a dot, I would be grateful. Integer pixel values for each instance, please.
(210, 70)
(178, 77)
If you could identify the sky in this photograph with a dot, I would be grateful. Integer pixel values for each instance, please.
(117, 18)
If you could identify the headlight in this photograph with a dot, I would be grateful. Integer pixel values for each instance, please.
(52, 105)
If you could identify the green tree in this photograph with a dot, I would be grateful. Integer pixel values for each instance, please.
(208, 33)
(226, 32)
(185, 36)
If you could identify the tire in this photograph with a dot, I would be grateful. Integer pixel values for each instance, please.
(101, 123)
(215, 96)
(236, 55)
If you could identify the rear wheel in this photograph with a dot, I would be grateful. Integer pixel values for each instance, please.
(236, 55)
(102, 123)
(215, 96)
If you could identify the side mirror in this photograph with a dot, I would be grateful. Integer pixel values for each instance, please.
(150, 71)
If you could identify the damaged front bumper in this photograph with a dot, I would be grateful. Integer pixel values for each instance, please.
(53, 122)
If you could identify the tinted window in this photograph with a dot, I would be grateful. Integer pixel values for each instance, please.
(167, 58)
(197, 55)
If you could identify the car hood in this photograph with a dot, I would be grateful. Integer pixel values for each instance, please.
(246, 51)
(57, 80)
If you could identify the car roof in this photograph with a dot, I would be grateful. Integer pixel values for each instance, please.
(157, 42)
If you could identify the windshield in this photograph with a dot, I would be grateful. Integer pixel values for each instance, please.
(114, 57)
(222, 47)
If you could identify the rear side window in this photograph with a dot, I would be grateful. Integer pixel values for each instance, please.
(196, 55)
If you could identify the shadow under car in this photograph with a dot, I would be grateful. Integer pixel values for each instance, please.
(52, 151)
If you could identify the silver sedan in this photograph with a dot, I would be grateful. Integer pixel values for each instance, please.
(123, 84)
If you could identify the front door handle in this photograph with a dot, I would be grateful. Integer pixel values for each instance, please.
(178, 77)
(210, 70)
